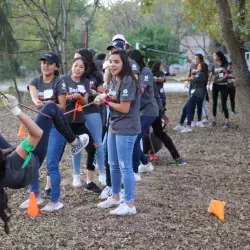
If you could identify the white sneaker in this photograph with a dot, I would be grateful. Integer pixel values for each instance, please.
(186, 130)
(123, 209)
(76, 181)
(137, 177)
(145, 168)
(192, 124)
(52, 207)
(106, 192)
(205, 120)
(178, 127)
(200, 124)
(102, 179)
(26, 203)
(110, 202)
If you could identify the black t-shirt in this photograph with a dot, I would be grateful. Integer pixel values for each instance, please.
(218, 75)
(49, 91)
(198, 85)
(82, 88)
(95, 80)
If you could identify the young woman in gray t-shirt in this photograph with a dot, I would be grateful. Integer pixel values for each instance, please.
(124, 104)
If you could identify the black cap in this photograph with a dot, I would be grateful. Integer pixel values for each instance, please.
(116, 44)
(50, 57)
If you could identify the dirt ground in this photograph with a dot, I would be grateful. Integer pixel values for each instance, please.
(172, 201)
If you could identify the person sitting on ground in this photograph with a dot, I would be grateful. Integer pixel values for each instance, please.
(20, 167)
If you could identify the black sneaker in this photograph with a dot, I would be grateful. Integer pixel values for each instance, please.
(93, 188)
(46, 194)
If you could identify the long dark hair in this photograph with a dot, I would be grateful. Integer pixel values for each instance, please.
(156, 68)
(4, 209)
(84, 62)
(222, 57)
(126, 69)
(201, 58)
(87, 55)
(137, 56)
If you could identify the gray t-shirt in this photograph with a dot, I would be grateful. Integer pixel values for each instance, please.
(149, 106)
(134, 66)
(120, 123)
(49, 91)
(15, 176)
(218, 75)
(157, 97)
(198, 85)
(82, 88)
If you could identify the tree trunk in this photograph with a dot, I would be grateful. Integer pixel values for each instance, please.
(241, 72)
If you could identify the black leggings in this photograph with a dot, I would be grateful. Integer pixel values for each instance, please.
(232, 93)
(4, 144)
(158, 130)
(223, 89)
(45, 124)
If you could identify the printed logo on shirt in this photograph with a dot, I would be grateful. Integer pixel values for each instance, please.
(112, 92)
(145, 78)
(64, 85)
(134, 66)
(125, 92)
(91, 84)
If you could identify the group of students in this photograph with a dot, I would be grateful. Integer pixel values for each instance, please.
(108, 112)
(199, 80)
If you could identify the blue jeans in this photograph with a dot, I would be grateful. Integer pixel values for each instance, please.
(120, 151)
(54, 154)
(94, 125)
(46, 125)
(189, 109)
(55, 150)
(146, 122)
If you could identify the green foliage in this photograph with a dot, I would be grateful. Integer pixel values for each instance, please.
(159, 39)
(8, 46)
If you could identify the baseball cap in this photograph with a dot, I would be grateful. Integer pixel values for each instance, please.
(50, 57)
(119, 37)
(116, 44)
(92, 51)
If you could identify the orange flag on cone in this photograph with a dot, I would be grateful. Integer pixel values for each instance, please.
(21, 132)
(217, 208)
(33, 209)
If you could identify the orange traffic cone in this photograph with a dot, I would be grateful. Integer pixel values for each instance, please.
(21, 132)
(217, 208)
(33, 209)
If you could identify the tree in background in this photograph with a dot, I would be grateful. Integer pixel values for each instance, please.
(48, 24)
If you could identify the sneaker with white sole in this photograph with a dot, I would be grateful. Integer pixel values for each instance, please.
(200, 124)
(146, 168)
(106, 192)
(51, 207)
(110, 202)
(26, 203)
(82, 142)
(123, 209)
(178, 127)
(102, 179)
(137, 177)
(192, 124)
(205, 120)
(186, 130)
(76, 180)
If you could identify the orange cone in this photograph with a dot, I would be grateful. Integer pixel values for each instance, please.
(217, 208)
(33, 209)
(21, 132)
